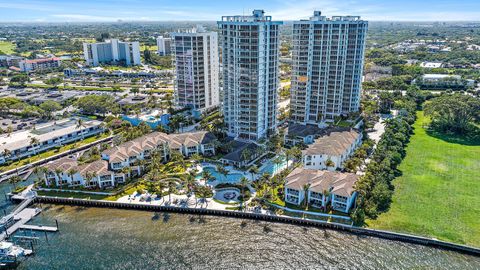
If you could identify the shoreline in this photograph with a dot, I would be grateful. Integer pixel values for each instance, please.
(420, 240)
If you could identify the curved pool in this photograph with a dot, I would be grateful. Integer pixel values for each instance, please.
(220, 178)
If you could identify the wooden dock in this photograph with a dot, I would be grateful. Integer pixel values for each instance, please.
(39, 228)
(21, 218)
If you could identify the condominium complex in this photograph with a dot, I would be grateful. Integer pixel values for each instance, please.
(39, 64)
(127, 159)
(112, 52)
(327, 67)
(250, 55)
(197, 68)
(44, 137)
(164, 46)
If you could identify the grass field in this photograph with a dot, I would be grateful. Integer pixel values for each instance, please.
(438, 194)
(7, 47)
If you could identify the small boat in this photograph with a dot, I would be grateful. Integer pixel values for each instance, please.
(9, 250)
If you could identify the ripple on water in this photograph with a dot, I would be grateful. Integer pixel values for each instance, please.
(94, 238)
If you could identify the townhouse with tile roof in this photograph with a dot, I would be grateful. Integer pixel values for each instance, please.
(109, 171)
(320, 187)
(335, 146)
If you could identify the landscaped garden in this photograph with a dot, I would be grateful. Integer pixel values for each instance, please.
(437, 192)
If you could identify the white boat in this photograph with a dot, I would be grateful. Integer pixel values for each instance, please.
(9, 250)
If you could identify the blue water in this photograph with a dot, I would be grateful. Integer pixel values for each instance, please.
(272, 168)
(231, 178)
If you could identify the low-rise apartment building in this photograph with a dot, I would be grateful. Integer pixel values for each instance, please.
(10, 60)
(39, 64)
(43, 137)
(67, 171)
(334, 147)
(320, 188)
(134, 154)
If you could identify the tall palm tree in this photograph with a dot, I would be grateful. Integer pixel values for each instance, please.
(253, 170)
(6, 153)
(14, 180)
(172, 186)
(306, 187)
(207, 176)
(33, 142)
(58, 172)
(71, 173)
(222, 170)
(80, 123)
(244, 183)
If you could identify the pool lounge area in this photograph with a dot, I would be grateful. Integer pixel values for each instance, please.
(233, 176)
(271, 168)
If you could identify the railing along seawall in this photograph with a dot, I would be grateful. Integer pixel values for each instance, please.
(265, 217)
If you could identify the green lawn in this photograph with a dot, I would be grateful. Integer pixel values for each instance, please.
(438, 194)
(7, 47)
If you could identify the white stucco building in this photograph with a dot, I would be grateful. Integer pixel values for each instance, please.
(250, 56)
(44, 137)
(335, 146)
(328, 58)
(127, 159)
(112, 52)
(195, 54)
(320, 188)
(164, 45)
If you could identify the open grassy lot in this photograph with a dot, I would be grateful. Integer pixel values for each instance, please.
(7, 47)
(438, 194)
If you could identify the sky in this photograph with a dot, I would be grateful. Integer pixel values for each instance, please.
(212, 10)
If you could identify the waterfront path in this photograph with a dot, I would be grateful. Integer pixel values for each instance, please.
(272, 217)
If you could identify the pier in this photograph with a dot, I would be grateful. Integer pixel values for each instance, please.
(21, 215)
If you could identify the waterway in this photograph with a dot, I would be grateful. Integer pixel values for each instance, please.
(97, 238)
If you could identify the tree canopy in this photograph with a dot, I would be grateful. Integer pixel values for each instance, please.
(454, 113)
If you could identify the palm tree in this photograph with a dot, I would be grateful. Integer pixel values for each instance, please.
(34, 141)
(6, 153)
(326, 194)
(58, 172)
(196, 157)
(306, 187)
(244, 183)
(9, 131)
(222, 170)
(71, 173)
(189, 184)
(160, 186)
(80, 124)
(329, 163)
(246, 154)
(14, 180)
(253, 170)
(172, 186)
(207, 176)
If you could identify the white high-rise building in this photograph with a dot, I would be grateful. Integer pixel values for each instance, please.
(112, 52)
(250, 55)
(164, 45)
(328, 57)
(195, 53)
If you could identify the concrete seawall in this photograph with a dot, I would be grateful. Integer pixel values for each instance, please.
(272, 218)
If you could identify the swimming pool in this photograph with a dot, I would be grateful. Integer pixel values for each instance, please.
(220, 178)
(271, 168)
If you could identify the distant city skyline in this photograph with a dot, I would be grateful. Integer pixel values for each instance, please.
(212, 10)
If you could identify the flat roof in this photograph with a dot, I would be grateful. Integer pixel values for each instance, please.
(43, 132)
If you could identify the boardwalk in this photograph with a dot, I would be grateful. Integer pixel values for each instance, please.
(21, 219)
